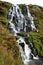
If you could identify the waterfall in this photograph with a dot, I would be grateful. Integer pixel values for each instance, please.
(15, 14)
(21, 20)
(31, 19)
(33, 28)
(26, 52)
(10, 18)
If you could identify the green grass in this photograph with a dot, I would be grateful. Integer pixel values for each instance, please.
(4, 21)
(9, 48)
(23, 8)
(4, 9)
(37, 13)
(37, 40)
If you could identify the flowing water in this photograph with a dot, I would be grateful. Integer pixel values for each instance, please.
(31, 19)
(26, 52)
(15, 14)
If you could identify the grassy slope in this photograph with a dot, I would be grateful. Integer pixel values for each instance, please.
(37, 37)
(37, 13)
(9, 51)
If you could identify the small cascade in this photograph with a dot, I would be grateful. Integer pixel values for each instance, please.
(26, 52)
(31, 19)
(16, 11)
(34, 57)
(21, 20)
(10, 18)
(15, 14)
(12, 28)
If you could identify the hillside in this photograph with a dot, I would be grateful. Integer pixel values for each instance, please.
(9, 51)
(37, 37)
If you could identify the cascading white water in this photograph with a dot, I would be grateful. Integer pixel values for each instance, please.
(31, 19)
(34, 57)
(21, 19)
(10, 18)
(26, 52)
(33, 28)
(16, 11)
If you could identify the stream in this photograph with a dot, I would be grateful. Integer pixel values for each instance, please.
(17, 23)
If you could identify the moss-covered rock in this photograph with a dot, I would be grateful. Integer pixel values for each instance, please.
(23, 8)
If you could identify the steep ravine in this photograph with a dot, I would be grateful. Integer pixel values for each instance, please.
(18, 25)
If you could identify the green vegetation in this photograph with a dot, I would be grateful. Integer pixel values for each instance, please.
(4, 7)
(23, 8)
(9, 51)
(37, 37)
(37, 13)
(37, 40)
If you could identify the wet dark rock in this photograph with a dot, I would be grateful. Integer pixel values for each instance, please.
(31, 63)
(22, 44)
(31, 56)
(18, 11)
(28, 28)
(11, 8)
(13, 18)
(38, 62)
(35, 62)
(9, 17)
